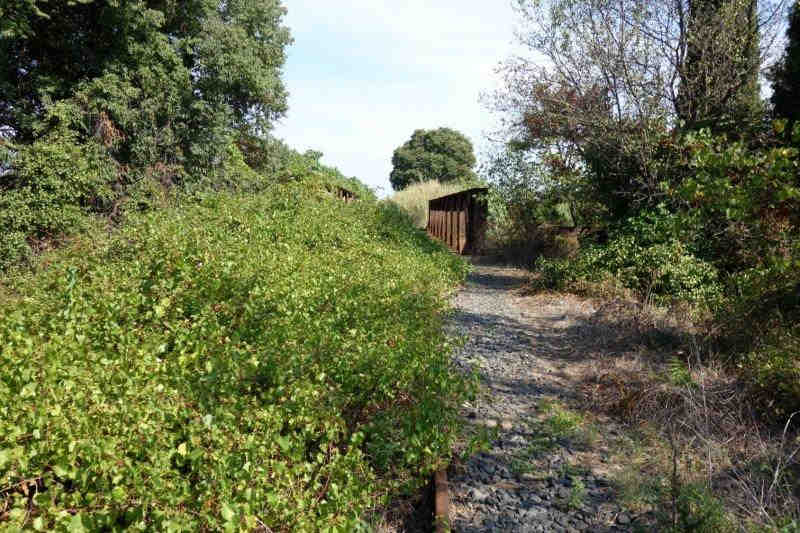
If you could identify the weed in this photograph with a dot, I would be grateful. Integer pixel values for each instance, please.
(562, 423)
(577, 493)
(273, 361)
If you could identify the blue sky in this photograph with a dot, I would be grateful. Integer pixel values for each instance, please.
(363, 75)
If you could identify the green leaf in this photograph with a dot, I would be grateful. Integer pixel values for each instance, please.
(284, 443)
(227, 512)
(76, 524)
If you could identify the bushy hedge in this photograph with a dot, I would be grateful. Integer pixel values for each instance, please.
(273, 361)
(47, 191)
(645, 254)
(52, 188)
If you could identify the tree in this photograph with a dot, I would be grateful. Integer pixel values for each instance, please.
(719, 73)
(442, 154)
(786, 75)
(605, 84)
(154, 81)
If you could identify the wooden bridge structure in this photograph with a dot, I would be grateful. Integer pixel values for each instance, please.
(459, 220)
(345, 195)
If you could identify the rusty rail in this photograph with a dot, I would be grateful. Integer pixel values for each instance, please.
(459, 220)
(441, 520)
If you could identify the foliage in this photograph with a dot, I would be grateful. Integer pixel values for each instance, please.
(617, 80)
(773, 373)
(530, 211)
(442, 154)
(270, 361)
(719, 75)
(142, 96)
(162, 87)
(746, 203)
(310, 163)
(662, 271)
(645, 254)
(593, 115)
(51, 186)
(414, 198)
(148, 65)
(270, 161)
(785, 75)
(268, 155)
(745, 200)
(696, 509)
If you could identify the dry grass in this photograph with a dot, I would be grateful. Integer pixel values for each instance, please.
(686, 417)
(414, 198)
(413, 512)
(699, 425)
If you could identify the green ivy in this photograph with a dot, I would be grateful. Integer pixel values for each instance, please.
(50, 187)
(266, 361)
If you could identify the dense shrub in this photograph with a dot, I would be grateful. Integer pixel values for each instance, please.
(696, 509)
(147, 95)
(49, 188)
(743, 202)
(663, 270)
(773, 371)
(536, 207)
(268, 361)
(158, 82)
(646, 255)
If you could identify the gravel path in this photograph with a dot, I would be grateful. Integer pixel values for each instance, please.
(528, 480)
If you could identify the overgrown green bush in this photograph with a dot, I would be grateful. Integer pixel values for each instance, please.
(694, 508)
(147, 95)
(743, 202)
(773, 370)
(270, 361)
(646, 255)
(533, 210)
(49, 188)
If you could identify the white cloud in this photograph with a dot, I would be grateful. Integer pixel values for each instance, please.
(363, 76)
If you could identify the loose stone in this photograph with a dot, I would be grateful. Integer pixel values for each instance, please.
(496, 488)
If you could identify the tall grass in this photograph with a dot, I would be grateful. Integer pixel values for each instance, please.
(414, 198)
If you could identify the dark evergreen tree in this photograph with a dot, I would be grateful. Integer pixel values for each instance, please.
(719, 76)
(786, 75)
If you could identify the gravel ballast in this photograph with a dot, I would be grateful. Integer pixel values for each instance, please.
(498, 489)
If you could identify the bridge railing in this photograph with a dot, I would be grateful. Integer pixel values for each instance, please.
(459, 220)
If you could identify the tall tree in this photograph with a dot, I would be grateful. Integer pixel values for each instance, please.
(162, 81)
(442, 154)
(617, 78)
(786, 75)
(719, 75)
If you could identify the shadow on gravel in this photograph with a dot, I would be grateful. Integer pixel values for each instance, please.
(502, 336)
(529, 480)
(495, 281)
